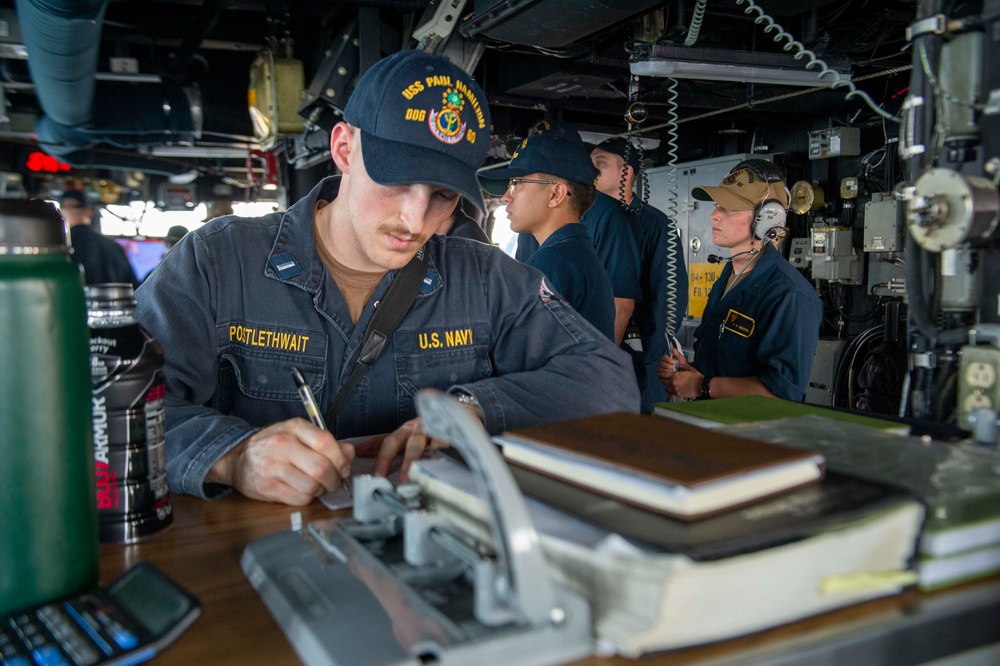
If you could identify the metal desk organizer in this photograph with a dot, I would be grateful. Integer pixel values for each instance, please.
(397, 584)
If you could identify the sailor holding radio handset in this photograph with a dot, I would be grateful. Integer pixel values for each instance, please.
(760, 327)
(242, 301)
(663, 276)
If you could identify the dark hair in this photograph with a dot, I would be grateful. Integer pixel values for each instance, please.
(581, 196)
(74, 195)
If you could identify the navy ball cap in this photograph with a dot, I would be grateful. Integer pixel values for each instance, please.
(547, 153)
(623, 148)
(422, 120)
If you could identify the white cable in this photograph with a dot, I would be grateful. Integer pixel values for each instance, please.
(801, 51)
(696, 19)
(673, 237)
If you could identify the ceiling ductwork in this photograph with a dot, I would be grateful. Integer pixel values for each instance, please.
(549, 24)
(162, 85)
(156, 114)
(62, 39)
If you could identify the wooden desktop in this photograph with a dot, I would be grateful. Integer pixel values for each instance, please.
(202, 549)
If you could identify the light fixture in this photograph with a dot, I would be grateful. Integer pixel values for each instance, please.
(594, 138)
(739, 66)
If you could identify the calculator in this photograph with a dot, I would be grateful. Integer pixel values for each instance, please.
(128, 622)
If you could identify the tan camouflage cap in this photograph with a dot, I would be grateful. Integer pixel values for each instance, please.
(743, 189)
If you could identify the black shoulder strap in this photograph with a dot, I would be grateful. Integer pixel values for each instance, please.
(388, 314)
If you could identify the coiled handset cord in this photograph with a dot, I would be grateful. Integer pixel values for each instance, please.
(770, 25)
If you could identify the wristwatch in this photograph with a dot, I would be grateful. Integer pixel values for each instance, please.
(469, 402)
(706, 387)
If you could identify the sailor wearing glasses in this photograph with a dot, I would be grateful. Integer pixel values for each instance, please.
(551, 186)
(610, 230)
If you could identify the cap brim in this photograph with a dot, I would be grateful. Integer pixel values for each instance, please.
(394, 163)
(495, 181)
(723, 198)
(494, 188)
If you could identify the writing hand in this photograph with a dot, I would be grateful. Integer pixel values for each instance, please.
(291, 462)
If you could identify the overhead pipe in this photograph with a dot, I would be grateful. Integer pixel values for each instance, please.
(63, 38)
(156, 114)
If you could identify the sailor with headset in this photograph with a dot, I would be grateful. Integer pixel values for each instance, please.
(760, 328)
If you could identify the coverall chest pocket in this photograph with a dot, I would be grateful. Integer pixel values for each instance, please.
(254, 380)
(441, 357)
(739, 339)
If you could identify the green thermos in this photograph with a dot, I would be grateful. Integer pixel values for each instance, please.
(48, 513)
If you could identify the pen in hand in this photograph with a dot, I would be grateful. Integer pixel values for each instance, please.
(309, 400)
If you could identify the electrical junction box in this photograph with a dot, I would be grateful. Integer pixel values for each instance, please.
(978, 385)
(834, 142)
(885, 226)
(833, 257)
(886, 277)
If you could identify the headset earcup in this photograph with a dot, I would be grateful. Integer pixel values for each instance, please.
(770, 217)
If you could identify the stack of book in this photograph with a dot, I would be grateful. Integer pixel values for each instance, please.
(680, 536)
(682, 471)
(959, 483)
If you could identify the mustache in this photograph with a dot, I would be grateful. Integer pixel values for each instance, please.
(403, 232)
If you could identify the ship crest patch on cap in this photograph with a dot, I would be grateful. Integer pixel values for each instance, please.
(739, 178)
(446, 123)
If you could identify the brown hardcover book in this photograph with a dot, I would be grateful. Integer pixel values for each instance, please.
(669, 467)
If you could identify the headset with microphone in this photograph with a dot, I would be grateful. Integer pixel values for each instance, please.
(769, 215)
(770, 235)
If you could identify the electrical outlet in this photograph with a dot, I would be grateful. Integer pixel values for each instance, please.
(978, 388)
(974, 401)
(980, 375)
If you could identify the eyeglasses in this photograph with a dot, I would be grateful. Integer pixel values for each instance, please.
(514, 182)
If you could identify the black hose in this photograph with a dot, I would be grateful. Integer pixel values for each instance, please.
(844, 376)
